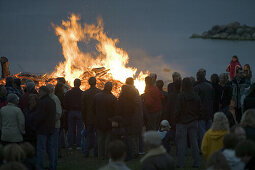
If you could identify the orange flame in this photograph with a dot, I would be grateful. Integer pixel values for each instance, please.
(107, 55)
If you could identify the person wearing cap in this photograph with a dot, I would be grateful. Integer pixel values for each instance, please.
(104, 107)
(88, 116)
(156, 157)
(72, 103)
(45, 119)
(12, 121)
(188, 109)
(166, 134)
(205, 91)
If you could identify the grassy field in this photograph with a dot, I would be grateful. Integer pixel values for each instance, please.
(74, 160)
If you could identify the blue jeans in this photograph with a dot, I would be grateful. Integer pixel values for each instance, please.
(45, 143)
(74, 128)
(90, 140)
(182, 131)
(203, 126)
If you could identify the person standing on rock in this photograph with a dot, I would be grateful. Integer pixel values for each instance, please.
(233, 66)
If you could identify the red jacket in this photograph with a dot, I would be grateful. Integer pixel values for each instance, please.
(153, 99)
(232, 67)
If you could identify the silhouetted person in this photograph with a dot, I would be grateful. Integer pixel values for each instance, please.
(30, 89)
(88, 116)
(174, 89)
(160, 85)
(152, 100)
(206, 93)
(72, 103)
(217, 92)
(45, 128)
(104, 107)
(188, 110)
(129, 109)
(117, 154)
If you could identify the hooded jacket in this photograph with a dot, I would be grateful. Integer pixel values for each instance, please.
(234, 162)
(187, 108)
(212, 142)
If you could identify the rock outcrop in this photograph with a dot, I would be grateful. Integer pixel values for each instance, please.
(231, 31)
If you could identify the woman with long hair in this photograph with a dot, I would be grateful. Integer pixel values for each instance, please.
(187, 115)
(213, 138)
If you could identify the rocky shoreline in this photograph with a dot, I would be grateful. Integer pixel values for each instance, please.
(231, 31)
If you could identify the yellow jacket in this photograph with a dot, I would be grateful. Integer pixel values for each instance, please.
(212, 142)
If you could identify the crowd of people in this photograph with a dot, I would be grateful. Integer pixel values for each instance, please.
(215, 118)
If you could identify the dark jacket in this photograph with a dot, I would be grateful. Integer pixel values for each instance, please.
(153, 99)
(217, 97)
(72, 100)
(249, 102)
(104, 107)
(171, 104)
(206, 93)
(188, 108)
(157, 159)
(45, 116)
(226, 97)
(30, 129)
(87, 98)
(129, 109)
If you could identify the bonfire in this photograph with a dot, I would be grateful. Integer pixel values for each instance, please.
(106, 63)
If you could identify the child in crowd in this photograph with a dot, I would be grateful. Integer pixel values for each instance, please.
(30, 160)
(165, 134)
(233, 66)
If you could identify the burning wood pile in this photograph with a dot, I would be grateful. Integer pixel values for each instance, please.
(107, 63)
(101, 74)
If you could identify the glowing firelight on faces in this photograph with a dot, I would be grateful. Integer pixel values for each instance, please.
(77, 62)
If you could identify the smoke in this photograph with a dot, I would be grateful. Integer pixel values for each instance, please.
(154, 64)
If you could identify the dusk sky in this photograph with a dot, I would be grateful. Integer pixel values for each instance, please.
(145, 28)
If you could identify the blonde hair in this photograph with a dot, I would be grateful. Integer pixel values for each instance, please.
(220, 122)
(13, 152)
(248, 118)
